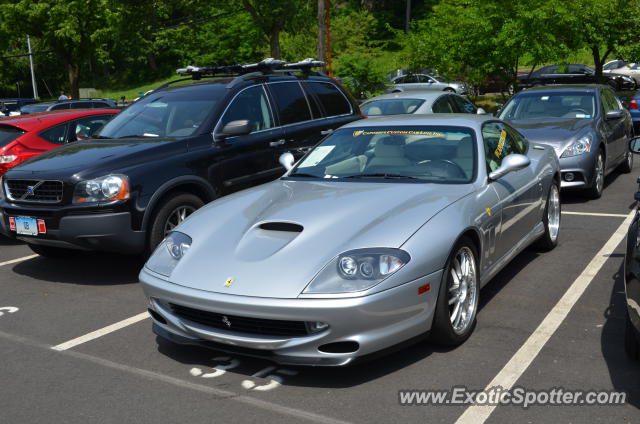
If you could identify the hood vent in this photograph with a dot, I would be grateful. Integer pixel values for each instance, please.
(282, 226)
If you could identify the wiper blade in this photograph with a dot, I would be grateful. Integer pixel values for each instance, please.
(383, 175)
(138, 136)
(302, 174)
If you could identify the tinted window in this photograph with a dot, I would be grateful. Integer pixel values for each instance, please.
(60, 106)
(463, 105)
(250, 104)
(498, 143)
(291, 102)
(442, 105)
(34, 108)
(84, 128)
(8, 134)
(100, 105)
(81, 105)
(55, 134)
(331, 99)
(391, 106)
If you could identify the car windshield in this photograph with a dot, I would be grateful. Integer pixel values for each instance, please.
(393, 154)
(8, 134)
(34, 108)
(532, 105)
(391, 106)
(173, 113)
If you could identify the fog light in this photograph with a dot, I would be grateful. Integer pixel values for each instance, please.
(569, 176)
(317, 326)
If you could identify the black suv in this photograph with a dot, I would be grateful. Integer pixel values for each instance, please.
(168, 154)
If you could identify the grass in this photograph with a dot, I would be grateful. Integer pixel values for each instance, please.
(133, 92)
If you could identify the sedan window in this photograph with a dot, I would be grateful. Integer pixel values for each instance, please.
(442, 105)
(391, 106)
(498, 143)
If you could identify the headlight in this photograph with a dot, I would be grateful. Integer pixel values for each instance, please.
(168, 253)
(357, 270)
(8, 158)
(578, 147)
(111, 187)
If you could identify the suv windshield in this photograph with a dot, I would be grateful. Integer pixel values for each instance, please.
(173, 113)
(533, 105)
(395, 153)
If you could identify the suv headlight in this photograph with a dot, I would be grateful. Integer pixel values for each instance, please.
(357, 270)
(103, 189)
(168, 253)
(578, 147)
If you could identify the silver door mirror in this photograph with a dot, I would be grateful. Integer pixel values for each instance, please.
(287, 160)
(481, 111)
(634, 144)
(510, 163)
(614, 114)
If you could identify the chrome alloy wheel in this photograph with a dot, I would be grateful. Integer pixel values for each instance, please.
(599, 171)
(553, 213)
(463, 291)
(176, 217)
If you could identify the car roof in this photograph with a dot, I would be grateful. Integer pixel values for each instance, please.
(36, 121)
(567, 87)
(413, 94)
(442, 119)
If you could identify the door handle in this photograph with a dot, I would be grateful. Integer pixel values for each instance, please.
(277, 143)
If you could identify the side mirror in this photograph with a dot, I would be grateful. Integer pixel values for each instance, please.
(614, 114)
(510, 163)
(287, 160)
(235, 128)
(481, 111)
(634, 144)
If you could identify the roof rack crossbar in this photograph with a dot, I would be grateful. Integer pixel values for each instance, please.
(265, 66)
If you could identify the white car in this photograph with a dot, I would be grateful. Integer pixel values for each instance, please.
(418, 102)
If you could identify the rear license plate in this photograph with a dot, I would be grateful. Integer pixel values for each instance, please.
(26, 226)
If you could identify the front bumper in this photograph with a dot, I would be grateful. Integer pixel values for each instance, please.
(581, 166)
(110, 232)
(371, 323)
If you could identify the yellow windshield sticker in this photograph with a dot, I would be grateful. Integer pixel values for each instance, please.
(503, 137)
(488, 211)
(398, 132)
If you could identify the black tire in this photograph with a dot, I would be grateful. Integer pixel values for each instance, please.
(595, 191)
(631, 340)
(546, 241)
(165, 211)
(627, 164)
(53, 252)
(442, 331)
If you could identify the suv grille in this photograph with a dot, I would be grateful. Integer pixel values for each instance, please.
(36, 191)
(268, 327)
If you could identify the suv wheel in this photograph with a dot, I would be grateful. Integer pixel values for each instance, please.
(170, 213)
(52, 252)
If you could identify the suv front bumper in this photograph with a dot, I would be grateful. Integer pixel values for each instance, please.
(111, 232)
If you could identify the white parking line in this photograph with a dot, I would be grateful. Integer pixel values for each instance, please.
(511, 372)
(101, 332)
(14, 261)
(614, 215)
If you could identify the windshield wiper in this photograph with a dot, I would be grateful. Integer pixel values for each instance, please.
(138, 136)
(302, 174)
(383, 175)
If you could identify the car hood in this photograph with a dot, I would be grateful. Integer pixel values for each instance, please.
(95, 157)
(557, 133)
(229, 242)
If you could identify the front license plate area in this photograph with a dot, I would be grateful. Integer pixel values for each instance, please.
(26, 226)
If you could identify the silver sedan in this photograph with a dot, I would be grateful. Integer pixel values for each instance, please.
(382, 233)
(427, 82)
(418, 102)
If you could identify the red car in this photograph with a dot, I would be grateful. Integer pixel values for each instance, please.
(23, 137)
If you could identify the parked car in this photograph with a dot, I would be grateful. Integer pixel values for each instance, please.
(11, 106)
(24, 137)
(632, 102)
(614, 64)
(426, 82)
(168, 154)
(384, 231)
(69, 104)
(573, 74)
(630, 69)
(632, 277)
(418, 102)
(586, 125)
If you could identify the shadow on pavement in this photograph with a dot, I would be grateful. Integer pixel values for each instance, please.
(82, 268)
(6, 241)
(572, 197)
(624, 373)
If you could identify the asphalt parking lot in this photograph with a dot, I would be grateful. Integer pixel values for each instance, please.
(77, 346)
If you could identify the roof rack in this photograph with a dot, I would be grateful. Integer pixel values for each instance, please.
(268, 65)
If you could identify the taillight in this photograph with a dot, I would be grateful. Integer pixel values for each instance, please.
(633, 104)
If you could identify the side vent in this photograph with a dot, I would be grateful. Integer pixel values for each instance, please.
(282, 226)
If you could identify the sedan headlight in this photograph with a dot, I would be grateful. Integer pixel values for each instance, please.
(8, 158)
(168, 253)
(578, 147)
(103, 189)
(357, 270)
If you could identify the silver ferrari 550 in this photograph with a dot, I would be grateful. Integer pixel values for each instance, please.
(381, 234)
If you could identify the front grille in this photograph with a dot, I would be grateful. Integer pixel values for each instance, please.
(35, 191)
(267, 327)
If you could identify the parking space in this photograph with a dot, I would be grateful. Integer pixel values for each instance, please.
(123, 373)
